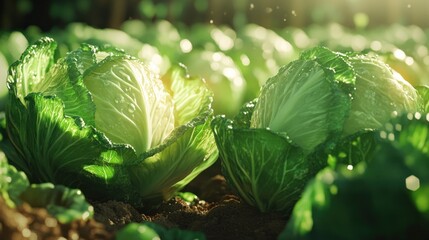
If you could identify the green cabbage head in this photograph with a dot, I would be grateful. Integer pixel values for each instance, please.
(101, 121)
(314, 104)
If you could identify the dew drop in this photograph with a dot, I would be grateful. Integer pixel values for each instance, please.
(350, 167)
(391, 137)
(86, 215)
(131, 108)
(119, 99)
(389, 127)
(417, 115)
(398, 127)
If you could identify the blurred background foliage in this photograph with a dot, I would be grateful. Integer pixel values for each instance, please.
(19, 14)
(235, 45)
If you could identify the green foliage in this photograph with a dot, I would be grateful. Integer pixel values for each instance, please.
(12, 182)
(151, 231)
(353, 149)
(384, 198)
(188, 197)
(65, 204)
(137, 231)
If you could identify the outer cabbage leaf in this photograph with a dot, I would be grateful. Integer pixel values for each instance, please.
(190, 96)
(32, 67)
(263, 167)
(351, 150)
(424, 98)
(64, 80)
(49, 135)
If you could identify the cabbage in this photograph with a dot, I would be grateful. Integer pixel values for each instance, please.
(321, 104)
(101, 121)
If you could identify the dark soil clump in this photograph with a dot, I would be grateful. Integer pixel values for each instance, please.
(224, 217)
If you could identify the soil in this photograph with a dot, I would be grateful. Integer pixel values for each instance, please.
(219, 214)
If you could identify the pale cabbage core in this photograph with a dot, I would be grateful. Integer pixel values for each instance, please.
(132, 105)
(299, 102)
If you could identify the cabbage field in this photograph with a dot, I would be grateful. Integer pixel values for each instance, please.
(162, 130)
